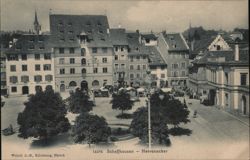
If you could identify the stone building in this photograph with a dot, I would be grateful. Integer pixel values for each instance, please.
(175, 52)
(83, 51)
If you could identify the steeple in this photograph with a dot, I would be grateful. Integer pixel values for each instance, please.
(37, 26)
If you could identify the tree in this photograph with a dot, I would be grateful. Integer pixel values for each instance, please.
(121, 101)
(172, 109)
(159, 129)
(90, 128)
(79, 102)
(43, 116)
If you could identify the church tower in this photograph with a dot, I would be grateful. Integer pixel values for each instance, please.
(37, 26)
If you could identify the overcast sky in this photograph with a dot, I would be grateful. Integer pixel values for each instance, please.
(169, 15)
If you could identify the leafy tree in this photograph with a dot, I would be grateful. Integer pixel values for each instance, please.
(90, 128)
(121, 101)
(79, 102)
(159, 129)
(43, 116)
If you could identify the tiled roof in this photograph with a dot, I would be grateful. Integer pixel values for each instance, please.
(155, 58)
(118, 36)
(149, 36)
(133, 40)
(175, 42)
(201, 45)
(229, 56)
(31, 43)
(65, 29)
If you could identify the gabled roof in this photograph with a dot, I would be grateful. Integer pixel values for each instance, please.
(175, 41)
(118, 36)
(31, 43)
(65, 29)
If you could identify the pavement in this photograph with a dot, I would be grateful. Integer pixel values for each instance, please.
(216, 134)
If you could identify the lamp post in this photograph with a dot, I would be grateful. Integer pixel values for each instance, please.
(149, 112)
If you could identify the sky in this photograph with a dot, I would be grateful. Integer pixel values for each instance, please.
(169, 15)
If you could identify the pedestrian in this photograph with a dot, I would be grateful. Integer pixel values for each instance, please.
(195, 114)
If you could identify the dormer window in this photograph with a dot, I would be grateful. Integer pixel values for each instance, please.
(61, 31)
(71, 39)
(88, 23)
(32, 40)
(60, 23)
(103, 39)
(70, 32)
(99, 23)
(89, 31)
(171, 38)
(101, 31)
(40, 39)
(41, 47)
(31, 47)
(70, 24)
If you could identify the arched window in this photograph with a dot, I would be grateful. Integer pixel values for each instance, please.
(72, 84)
(95, 83)
(38, 88)
(84, 71)
(83, 61)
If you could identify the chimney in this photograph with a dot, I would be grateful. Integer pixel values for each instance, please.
(236, 52)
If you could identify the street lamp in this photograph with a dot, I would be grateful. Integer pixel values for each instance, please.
(149, 114)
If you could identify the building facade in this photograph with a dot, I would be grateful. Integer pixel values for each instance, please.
(83, 51)
(175, 52)
(29, 65)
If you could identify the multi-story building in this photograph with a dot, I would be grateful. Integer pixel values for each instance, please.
(83, 51)
(120, 44)
(175, 52)
(29, 65)
(3, 73)
(137, 60)
(158, 68)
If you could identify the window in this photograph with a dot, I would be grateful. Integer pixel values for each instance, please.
(47, 67)
(105, 70)
(138, 67)
(13, 89)
(38, 78)
(104, 60)
(48, 78)
(131, 75)
(84, 71)
(144, 57)
(183, 65)
(153, 76)
(226, 78)
(24, 57)
(61, 61)
(12, 57)
(41, 47)
(183, 73)
(176, 74)
(131, 67)
(243, 79)
(174, 66)
(122, 66)
(70, 32)
(162, 75)
(138, 58)
(116, 66)
(105, 50)
(83, 61)
(122, 49)
(71, 50)
(13, 68)
(82, 51)
(95, 83)
(70, 24)
(24, 68)
(218, 47)
(72, 84)
(13, 79)
(138, 75)
(72, 70)
(61, 50)
(131, 59)
(95, 70)
(94, 50)
(116, 49)
(37, 56)
(62, 71)
(72, 60)
(47, 56)
(116, 57)
(25, 79)
(144, 67)
(40, 39)
(61, 31)
(37, 67)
